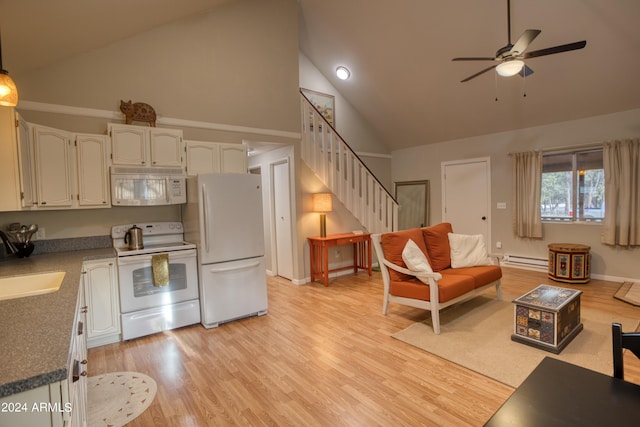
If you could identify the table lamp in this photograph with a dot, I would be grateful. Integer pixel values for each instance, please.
(322, 204)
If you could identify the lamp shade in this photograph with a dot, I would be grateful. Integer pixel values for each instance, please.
(8, 90)
(322, 202)
(509, 68)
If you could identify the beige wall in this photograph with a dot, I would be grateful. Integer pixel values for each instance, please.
(356, 131)
(424, 162)
(237, 65)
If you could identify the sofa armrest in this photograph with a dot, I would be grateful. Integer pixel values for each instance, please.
(435, 276)
(493, 259)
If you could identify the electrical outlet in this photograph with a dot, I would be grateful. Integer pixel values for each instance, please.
(40, 234)
(499, 245)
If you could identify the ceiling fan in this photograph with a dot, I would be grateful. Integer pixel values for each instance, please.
(509, 58)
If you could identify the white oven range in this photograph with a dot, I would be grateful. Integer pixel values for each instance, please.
(146, 308)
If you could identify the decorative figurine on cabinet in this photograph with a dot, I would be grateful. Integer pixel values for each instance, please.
(139, 112)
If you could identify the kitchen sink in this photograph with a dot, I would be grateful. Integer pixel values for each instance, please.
(30, 284)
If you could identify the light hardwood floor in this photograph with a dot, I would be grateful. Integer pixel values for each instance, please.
(321, 357)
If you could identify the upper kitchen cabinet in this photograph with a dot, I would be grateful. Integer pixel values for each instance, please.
(92, 154)
(9, 164)
(66, 170)
(233, 158)
(145, 146)
(213, 157)
(53, 165)
(27, 164)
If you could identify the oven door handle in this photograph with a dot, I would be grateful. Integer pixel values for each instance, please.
(174, 256)
(205, 214)
(240, 267)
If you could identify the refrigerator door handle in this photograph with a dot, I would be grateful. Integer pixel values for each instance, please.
(205, 205)
(242, 267)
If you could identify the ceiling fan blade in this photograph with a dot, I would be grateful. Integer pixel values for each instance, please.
(475, 58)
(523, 42)
(555, 49)
(478, 73)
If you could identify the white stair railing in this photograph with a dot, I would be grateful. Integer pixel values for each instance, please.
(342, 171)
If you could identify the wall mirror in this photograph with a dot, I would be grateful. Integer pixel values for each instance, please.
(413, 204)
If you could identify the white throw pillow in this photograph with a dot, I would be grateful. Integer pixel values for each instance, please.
(467, 250)
(415, 259)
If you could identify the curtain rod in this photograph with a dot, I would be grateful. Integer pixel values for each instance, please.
(568, 147)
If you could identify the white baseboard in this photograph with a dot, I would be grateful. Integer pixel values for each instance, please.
(596, 276)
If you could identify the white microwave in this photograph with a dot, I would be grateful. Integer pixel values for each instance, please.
(135, 186)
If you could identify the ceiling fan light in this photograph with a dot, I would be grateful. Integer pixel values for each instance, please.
(8, 90)
(509, 68)
(343, 73)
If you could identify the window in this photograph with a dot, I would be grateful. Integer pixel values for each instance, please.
(572, 186)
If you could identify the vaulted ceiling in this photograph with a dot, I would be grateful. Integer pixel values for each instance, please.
(399, 52)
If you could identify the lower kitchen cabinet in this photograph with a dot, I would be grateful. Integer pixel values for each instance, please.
(101, 288)
(61, 403)
(44, 406)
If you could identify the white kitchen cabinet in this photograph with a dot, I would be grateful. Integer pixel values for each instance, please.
(70, 170)
(233, 158)
(214, 157)
(22, 409)
(61, 403)
(53, 165)
(145, 146)
(92, 154)
(202, 157)
(9, 166)
(27, 164)
(101, 289)
(77, 370)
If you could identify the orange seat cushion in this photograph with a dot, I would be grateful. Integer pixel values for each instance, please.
(392, 246)
(450, 287)
(437, 242)
(481, 274)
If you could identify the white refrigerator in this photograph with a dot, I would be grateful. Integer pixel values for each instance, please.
(223, 217)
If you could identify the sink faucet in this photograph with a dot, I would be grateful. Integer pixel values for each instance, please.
(7, 244)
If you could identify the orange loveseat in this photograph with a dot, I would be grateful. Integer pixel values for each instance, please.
(434, 290)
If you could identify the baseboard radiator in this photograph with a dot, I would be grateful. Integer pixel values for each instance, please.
(527, 262)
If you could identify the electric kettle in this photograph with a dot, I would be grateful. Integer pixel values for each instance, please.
(133, 238)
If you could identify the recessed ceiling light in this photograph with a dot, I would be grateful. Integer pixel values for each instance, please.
(343, 73)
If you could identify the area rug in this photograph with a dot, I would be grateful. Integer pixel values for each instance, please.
(116, 398)
(629, 292)
(477, 335)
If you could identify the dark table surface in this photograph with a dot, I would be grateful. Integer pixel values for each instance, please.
(558, 393)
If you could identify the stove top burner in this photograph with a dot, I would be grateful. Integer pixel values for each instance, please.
(157, 238)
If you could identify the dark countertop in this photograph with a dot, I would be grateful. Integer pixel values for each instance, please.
(36, 331)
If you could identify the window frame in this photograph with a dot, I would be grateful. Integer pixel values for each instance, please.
(574, 219)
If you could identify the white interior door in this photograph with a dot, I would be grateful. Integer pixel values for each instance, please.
(282, 220)
(466, 196)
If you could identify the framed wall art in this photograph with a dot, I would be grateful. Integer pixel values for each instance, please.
(325, 104)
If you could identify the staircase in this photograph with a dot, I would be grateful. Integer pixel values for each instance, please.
(346, 176)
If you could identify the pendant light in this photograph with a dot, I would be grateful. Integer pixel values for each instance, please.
(8, 89)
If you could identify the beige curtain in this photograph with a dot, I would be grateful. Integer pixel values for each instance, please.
(527, 172)
(621, 225)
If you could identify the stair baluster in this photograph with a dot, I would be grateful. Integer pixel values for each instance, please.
(344, 173)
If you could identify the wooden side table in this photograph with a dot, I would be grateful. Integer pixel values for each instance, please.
(569, 262)
(319, 254)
